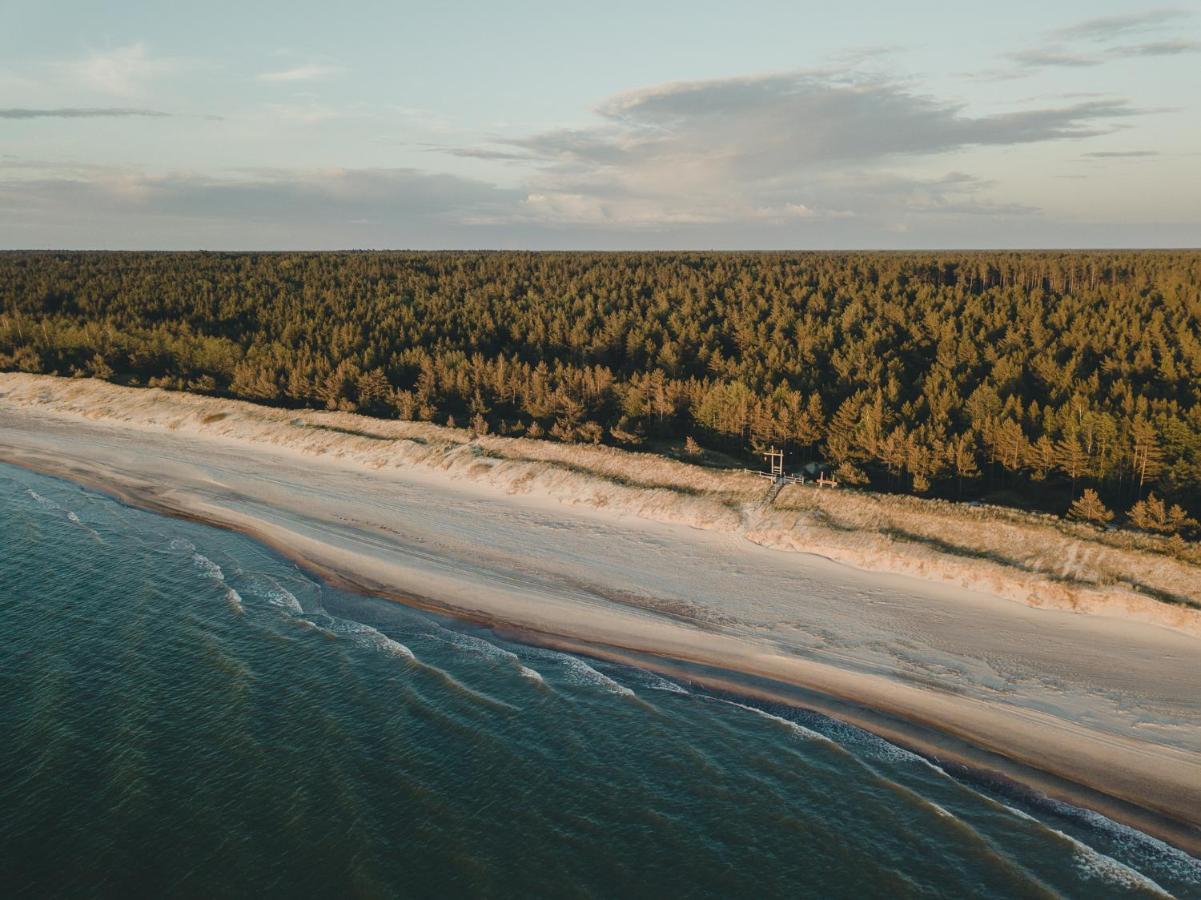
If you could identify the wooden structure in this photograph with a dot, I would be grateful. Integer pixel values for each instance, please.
(775, 462)
(775, 459)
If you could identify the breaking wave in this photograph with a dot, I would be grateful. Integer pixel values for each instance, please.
(579, 672)
(795, 727)
(371, 638)
(481, 647)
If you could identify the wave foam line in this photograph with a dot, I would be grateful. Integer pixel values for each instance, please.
(207, 567)
(1149, 850)
(659, 683)
(54, 506)
(372, 638)
(1094, 864)
(795, 727)
(580, 673)
(369, 637)
(484, 648)
(234, 599)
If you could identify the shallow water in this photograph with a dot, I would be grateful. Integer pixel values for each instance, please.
(186, 713)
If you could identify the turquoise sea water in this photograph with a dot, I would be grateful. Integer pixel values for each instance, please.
(185, 713)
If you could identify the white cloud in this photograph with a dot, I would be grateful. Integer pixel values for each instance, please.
(778, 148)
(310, 72)
(124, 72)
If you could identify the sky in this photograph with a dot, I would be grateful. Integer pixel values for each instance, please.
(618, 125)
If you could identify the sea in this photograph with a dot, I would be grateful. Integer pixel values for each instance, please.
(186, 713)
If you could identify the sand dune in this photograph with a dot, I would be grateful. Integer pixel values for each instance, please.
(1038, 560)
(1089, 677)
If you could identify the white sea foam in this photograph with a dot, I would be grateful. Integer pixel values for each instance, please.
(1134, 843)
(269, 589)
(1020, 814)
(588, 675)
(477, 645)
(1093, 864)
(234, 599)
(869, 746)
(795, 727)
(366, 636)
(207, 567)
(182, 545)
(579, 672)
(659, 683)
(484, 648)
(72, 517)
(283, 598)
(44, 502)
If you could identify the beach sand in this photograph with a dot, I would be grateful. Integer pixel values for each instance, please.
(1100, 707)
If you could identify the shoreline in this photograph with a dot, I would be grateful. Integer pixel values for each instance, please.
(935, 741)
(1153, 787)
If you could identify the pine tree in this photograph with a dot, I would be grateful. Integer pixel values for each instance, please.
(1089, 508)
(840, 434)
(1010, 445)
(1148, 457)
(1070, 458)
(1041, 457)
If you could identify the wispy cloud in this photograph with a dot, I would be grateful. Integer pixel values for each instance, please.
(1122, 154)
(267, 196)
(1040, 57)
(1105, 28)
(84, 112)
(309, 72)
(1156, 48)
(486, 153)
(1081, 45)
(123, 72)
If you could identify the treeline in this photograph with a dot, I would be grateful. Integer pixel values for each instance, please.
(1026, 378)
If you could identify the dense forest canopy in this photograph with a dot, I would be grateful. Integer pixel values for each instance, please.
(1036, 379)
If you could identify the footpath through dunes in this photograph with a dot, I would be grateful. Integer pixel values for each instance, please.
(589, 547)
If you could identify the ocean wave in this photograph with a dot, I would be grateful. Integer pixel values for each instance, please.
(533, 675)
(795, 727)
(234, 599)
(655, 682)
(1134, 844)
(207, 567)
(580, 673)
(284, 599)
(265, 587)
(372, 638)
(1096, 865)
(476, 645)
(481, 647)
(55, 507)
(869, 746)
(44, 502)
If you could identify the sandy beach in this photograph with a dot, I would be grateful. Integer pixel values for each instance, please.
(1087, 692)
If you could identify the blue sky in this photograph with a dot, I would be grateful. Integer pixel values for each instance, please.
(266, 125)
